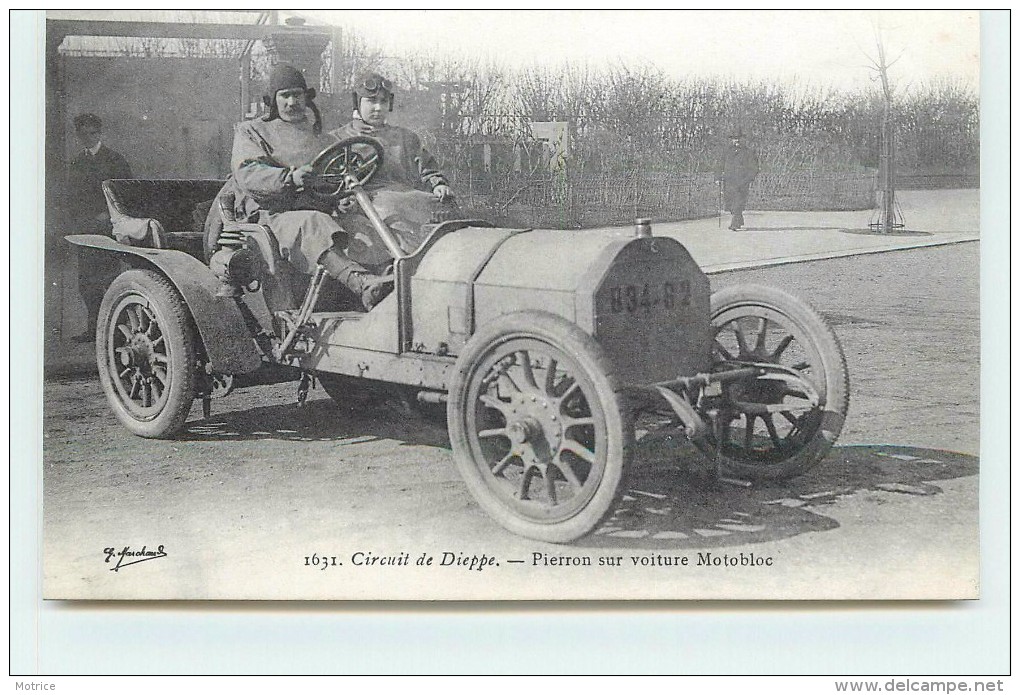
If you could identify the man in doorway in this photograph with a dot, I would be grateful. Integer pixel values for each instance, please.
(737, 169)
(87, 213)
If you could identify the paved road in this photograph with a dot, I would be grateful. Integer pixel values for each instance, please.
(241, 499)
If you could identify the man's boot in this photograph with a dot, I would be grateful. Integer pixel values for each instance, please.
(370, 288)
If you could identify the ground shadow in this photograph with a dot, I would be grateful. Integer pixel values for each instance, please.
(878, 232)
(323, 420)
(789, 228)
(667, 507)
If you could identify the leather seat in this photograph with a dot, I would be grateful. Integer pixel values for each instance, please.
(162, 214)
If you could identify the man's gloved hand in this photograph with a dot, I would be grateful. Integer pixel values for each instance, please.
(442, 192)
(301, 176)
(345, 205)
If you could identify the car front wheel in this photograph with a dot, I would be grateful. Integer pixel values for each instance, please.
(538, 427)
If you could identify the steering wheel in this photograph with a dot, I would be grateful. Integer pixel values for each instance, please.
(345, 164)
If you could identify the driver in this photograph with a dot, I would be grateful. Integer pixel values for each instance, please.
(409, 191)
(270, 166)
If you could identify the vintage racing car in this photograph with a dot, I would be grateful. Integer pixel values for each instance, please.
(546, 347)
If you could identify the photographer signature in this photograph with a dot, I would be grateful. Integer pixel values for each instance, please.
(125, 557)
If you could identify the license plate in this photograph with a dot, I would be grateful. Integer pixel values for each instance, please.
(650, 297)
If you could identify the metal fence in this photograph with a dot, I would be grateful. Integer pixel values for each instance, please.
(849, 188)
(607, 199)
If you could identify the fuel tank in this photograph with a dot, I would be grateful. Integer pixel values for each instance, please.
(644, 299)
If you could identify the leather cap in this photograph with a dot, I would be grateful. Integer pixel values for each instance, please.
(283, 76)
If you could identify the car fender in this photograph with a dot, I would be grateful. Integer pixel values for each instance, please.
(229, 344)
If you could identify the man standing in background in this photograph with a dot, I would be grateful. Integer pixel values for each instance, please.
(86, 211)
(91, 166)
(737, 169)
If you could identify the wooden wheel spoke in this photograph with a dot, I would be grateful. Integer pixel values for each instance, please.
(125, 331)
(161, 375)
(773, 434)
(759, 344)
(749, 430)
(723, 352)
(738, 329)
(524, 362)
(800, 396)
(508, 383)
(147, 395)
(134, 313)
(564, 386)
(568, 393)
(550, 485)
(502, 463)
(159, 357)
(576, 421)
(796, 423)
(525, 484)
(578, 449)
(550, 377)
(135, 387)
(490, 401)
(568, 471)
(783, 344)
(495, 432)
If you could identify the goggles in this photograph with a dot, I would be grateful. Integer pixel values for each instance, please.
(374, 84)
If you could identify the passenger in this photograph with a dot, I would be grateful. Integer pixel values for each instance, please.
(271, 163)
(409, 191)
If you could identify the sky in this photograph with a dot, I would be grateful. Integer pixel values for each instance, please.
(815, 47)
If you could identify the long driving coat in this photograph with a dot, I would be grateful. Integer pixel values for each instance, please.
(737, 169)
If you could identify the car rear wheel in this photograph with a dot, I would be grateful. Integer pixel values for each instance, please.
(781, 425)
(146, 353)
(537, 425)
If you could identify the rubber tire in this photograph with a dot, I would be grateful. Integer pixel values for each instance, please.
(176, 324)
(571, 340)
(835, 391)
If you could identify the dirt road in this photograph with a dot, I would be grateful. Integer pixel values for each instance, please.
(248, 503)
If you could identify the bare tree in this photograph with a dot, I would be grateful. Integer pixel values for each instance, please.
(889, 216)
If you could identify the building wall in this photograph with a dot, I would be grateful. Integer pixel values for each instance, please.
(170, 117)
